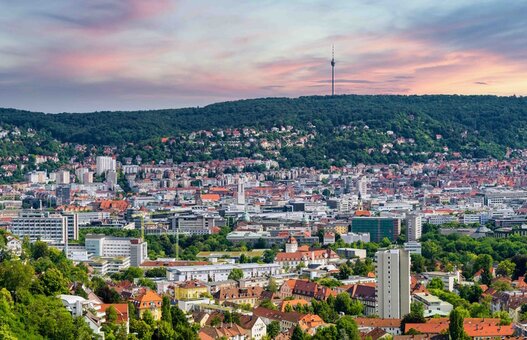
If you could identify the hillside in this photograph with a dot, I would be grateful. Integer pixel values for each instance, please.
(349, 128)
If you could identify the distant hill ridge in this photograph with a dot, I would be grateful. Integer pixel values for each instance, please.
(347, 126)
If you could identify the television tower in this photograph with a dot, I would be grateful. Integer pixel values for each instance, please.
(333, 70)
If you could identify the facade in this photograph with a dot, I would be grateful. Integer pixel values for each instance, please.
(221, 272)
(449, 279)
(393, 283)
(414, 226)
(41, 225)
(350, 253)
(377, 227)
(63, 177)
(105, 163)
(355, 237)
(108, 246)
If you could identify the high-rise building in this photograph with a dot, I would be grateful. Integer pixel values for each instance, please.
(393, 283)
(63, 194)
(84, 175)
(414, 226)
(377, 227)
(41, 225)
(62, 177)
(240, 198)
(105, 163)
(362, 186)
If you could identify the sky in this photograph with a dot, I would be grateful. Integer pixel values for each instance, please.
(79, 56)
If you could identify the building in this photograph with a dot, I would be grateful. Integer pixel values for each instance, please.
(433, 305)
(150, 301)
(449, 279)
(351, 253)
(354, 237)
(109, 265)
(90, 311)
(62, 177)
(40, 225)
(63, 194)
(236, 295)
(393, 283)
(194, 224)
(108, 246)
(413, 247)
(414, 227)
(104, 164)
(190, 290)
(216, 273)
(329, 238)
(377, 227)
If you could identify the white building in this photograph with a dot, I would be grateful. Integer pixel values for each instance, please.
(414, 227)
(433, 305)
(41, 225)
(393, 283)
(37, 177)
(91, 312)
(221, 272)
(108, 246)
(104, 164)
(355, 237)
(449, 279)
(413, 247)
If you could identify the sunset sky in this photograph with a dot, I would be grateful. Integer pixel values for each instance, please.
(69, 55)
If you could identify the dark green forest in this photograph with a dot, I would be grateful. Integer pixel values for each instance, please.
(346, 127)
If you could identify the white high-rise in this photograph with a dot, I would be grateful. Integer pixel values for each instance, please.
(393, 283)
(414, 226)
(105, 163)
(362, 186)
(241, 192)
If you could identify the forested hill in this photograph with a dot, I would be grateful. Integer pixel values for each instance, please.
(341, 126)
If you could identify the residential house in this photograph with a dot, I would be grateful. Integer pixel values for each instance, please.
(148, 300)
(235, 295)
(391, 326)
(256, 327)
(476, 328)
(230, 332)
(122, 313)
(190, 290)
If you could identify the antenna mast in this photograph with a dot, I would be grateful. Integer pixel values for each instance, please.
(332, 70)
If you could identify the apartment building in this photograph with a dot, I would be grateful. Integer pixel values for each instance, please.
(108, 246)
(393, 283)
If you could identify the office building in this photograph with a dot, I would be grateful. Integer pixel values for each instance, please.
(194, 224)
(393, 283)
(377, 227)
(413, 247)
(104, 164)
(107, 246)
(414, 227)
(41, 225)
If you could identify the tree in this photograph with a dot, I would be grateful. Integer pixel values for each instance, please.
(484, 262)
(436, 283)
(298, 334)
(345, 271)
(111, 314)
(132, 273)
(272, 286)
(505, 268)
(236, 274)
(273, 329)
(455, 328)
(418, 263)
(344, 304)
(267, 303)
(143, 330)
(416, 315)
(471, 293)
(54, 282)
(166, 314)
(16, 276)
(346, 325)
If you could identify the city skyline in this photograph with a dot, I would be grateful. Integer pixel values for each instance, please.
(125, 55)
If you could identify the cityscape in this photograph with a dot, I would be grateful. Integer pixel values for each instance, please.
(293, 212)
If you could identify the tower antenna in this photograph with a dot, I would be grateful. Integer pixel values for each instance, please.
(332, 70)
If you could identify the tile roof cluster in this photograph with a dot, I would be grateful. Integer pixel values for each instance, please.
(474, 327)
